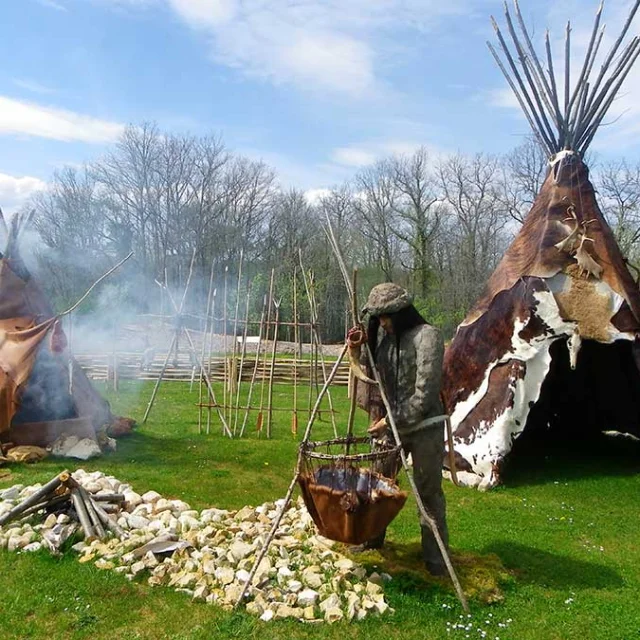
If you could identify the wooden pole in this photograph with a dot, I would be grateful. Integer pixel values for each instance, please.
(273, 364)
(159, 380)
(243, 353)
(352, 378)
(211, 334)
(255, 366)
(260, 418)
(294, 417)
(225, 386)
(81, 511)
(234, 350)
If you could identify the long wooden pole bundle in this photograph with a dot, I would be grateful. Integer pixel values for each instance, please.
(584, 106)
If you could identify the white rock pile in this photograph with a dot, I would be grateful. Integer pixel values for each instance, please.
(209, 554)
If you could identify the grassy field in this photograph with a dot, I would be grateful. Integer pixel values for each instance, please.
(553, 554)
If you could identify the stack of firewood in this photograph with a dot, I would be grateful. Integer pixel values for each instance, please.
(63, 494)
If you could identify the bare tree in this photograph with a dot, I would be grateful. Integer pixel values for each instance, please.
(619, 187)
(417, 209)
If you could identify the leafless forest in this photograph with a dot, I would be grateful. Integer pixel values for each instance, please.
(436, 225)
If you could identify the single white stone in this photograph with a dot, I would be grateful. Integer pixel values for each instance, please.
(151, 496)
(267, 615)
(137, 567)
(224, 575)
(294, 586)
(132, 499)
(33, 546)
(242, 576)
(333, 601)
(307, 598)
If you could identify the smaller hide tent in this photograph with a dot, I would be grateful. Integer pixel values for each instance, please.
(553, 341)
(37, 401)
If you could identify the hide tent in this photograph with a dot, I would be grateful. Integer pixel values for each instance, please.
(44, 393)
(552, 343)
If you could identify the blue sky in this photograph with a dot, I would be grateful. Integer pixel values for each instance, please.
(316, 88)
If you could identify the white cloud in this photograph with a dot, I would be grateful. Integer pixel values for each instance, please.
(333, 45)
(15, 191)
(27, 118)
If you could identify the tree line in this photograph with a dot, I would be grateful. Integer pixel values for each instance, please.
(436, 225)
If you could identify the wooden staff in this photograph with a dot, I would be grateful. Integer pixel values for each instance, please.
(273, 364)
(426, 516)
(287, 498)
(294, 417)
(255, 366)
(243, 353)
(352, 379)
(260, 418)
(35, 498)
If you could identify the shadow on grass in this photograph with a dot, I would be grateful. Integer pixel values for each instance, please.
(545, 458)
(535, 566)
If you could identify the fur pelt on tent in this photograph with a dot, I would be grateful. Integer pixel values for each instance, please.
(36, 405)
(553, 341)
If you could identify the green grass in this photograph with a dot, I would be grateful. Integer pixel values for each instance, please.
(555, 550)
